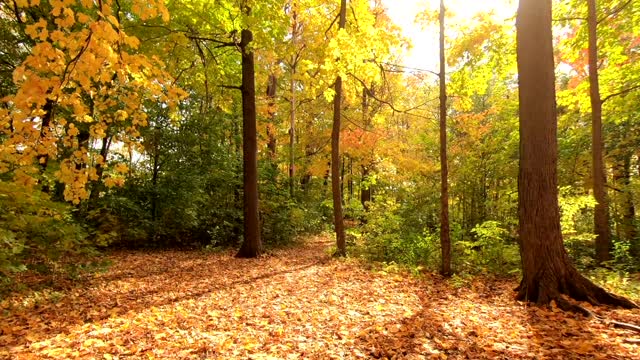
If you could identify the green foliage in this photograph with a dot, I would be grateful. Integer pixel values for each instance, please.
(576, 218)
(36, 232)
(387, 238)
(491, 251)
(617, 281)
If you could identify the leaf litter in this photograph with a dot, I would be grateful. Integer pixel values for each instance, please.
(295, 303)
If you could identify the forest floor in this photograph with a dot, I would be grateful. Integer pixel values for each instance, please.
(295, 303)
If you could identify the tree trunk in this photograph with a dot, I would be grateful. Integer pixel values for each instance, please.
(601, 211)
(252, 245)
(445, 241)
(292, 110)
(547, 270)
(272, 143)
(622, 178)
(365, 188)
(338, 220)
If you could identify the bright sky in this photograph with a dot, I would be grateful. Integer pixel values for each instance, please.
(424, 54)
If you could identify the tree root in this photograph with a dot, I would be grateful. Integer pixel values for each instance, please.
(566, 305)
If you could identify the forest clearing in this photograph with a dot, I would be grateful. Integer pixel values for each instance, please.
(297, 303)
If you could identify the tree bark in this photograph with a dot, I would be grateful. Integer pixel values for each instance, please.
(547, 270)
(445, 240)
(338, 220)
(601, 211)
(252, 244)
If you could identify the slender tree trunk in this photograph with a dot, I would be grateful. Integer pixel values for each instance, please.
(445, 240)
(622, 177)
(335, 154)
(546, 268)
(601, 211)
(365, 188)
(272, 143)
(252, 244)
(292, 135)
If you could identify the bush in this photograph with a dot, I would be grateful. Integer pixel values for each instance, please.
(36, 232)
(491, 250)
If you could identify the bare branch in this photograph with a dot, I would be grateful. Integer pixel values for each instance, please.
(621, 92)
(615, 11)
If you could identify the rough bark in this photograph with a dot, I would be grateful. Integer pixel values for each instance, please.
(252, 244)
(338, 220)
(547, 270)
(445, 240)
(601, 211)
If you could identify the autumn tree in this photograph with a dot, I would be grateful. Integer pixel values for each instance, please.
(601, 211)
(548, 273)
(445, 241)
(83, 81)
(338, 220)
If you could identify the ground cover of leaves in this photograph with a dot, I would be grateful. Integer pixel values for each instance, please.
(297, 303)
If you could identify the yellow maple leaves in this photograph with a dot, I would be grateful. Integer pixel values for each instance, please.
(81, 81)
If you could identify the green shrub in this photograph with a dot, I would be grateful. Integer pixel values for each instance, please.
(36, 232)
(491, 251)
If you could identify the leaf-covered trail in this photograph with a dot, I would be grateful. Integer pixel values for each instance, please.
(296, 303)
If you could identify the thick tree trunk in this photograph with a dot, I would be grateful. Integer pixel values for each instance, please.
(252, 244)
(547, 270)
(445, 240)
(601, 211)
(338, 220)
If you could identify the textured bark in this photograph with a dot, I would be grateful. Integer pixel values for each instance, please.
(445, 240)
(601, 211)
(338, 220)
(252, 244)
(547, 270)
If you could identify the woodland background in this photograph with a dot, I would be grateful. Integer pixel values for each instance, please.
(134, 133)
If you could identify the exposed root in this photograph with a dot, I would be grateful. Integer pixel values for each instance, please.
(566, 305)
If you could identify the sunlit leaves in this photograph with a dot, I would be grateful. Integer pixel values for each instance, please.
(82, 69)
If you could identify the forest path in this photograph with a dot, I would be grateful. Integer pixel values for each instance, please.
(296, 303)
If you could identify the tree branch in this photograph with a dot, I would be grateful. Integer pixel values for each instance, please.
(621, 92)
(615, 11)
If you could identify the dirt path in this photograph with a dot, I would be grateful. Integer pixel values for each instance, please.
(294, 304)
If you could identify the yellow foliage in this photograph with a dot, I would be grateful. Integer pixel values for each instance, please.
(81, 63)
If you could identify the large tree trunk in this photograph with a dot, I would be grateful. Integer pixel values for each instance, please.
(601, 211)
(252, 244)
(338, 220)
(445, 241)
(547, 270)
